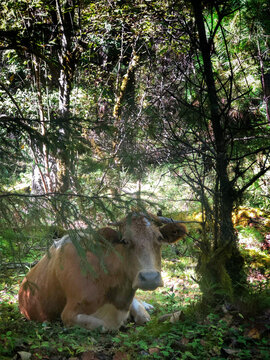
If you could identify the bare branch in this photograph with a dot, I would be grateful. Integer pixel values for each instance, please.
(252, 181)
(12, 98)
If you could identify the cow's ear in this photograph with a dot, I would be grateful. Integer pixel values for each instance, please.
(173, 232)
(109, 234)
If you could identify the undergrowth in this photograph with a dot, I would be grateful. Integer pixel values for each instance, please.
(218, 336)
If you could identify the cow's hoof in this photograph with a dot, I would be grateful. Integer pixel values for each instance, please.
(148, 307)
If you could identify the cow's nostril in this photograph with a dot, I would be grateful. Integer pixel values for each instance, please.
(141, 276)
(149, 280)
(149, 275)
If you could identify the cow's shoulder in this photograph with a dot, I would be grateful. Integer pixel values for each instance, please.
(71, 238)
(60, 243)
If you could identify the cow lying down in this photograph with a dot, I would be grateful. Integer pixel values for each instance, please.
(58, 285)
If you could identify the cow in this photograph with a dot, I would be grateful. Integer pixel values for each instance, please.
(101, 295)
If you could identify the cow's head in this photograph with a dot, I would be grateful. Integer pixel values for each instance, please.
(141, 237)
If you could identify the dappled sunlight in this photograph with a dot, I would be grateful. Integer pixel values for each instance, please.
(248, 242)
(181, 283)
(180, 288)
(9, 286)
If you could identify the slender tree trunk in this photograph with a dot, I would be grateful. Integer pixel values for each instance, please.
(66, 60)
(226, 262)
(65, 157)
(43, 167)
(265, 82)
(52, 172)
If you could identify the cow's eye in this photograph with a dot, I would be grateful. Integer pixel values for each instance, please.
(124, 241)
(160, 238)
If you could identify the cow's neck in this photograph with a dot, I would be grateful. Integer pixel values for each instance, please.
(120, 292)
(121, 296)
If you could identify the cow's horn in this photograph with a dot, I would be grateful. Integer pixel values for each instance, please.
(159, 220)
(166, 220)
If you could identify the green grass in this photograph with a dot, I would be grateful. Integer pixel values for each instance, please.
(214, 337)
(17, 334)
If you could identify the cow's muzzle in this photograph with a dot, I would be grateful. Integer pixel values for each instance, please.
(148, 280)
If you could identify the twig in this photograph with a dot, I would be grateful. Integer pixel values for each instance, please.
(12, 99)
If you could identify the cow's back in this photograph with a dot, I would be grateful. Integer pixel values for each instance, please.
(41, 296)
(63, 277)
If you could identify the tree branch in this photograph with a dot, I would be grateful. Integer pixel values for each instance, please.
(252, 181)
(12, 99)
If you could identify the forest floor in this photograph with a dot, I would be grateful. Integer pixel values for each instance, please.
(178, 329)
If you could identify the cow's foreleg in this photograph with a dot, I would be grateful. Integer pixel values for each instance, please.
(90, 322)
(138, 311)
(71, 318)
(106, 318)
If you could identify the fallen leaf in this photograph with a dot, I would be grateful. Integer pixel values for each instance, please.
(254, 333)
(165, 317)
(230, 351)
(224, 309)
(228, 318)
(176, 316)
(24, 355)
(119, 355)
(154, 350)
(203, 342)
(89, 355)
(215, 350)
(184, 341)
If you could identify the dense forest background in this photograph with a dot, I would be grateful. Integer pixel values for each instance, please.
(111, 106)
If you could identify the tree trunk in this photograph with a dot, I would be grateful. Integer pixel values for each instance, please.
(66, 57)
(224, 266)
(43, 172)
(52, 172)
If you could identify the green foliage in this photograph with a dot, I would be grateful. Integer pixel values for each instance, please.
(255, 235)
(40, 339)
(213, 337)
(258, 194)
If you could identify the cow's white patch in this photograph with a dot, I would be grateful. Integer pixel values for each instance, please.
(107, 317)
(89, 322)
(112, 317)
(70, 239)
(64, 240)
(136, 304)
(138, 312)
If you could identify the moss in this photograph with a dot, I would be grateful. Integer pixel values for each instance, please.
(256, 259)
(215, 282)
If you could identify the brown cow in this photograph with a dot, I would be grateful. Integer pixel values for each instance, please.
(59, 285)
